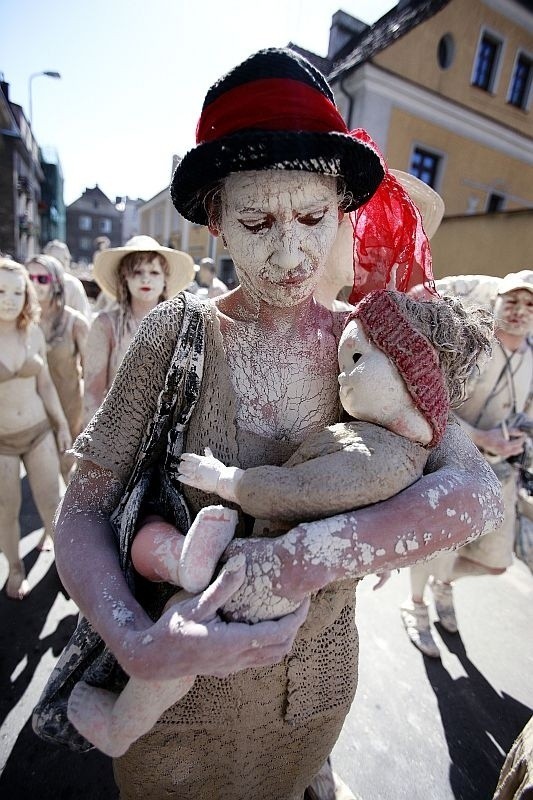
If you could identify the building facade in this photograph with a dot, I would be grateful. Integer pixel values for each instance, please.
(20, 181)
(445, 89)
(88, 218)
(52, 211)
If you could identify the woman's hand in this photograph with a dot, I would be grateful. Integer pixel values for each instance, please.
(494, 441)
(191, 639)
(63, 437)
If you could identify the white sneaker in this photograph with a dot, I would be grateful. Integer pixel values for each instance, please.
(415, 618)
(443, 594)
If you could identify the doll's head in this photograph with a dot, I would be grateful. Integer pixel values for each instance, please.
(404, 363)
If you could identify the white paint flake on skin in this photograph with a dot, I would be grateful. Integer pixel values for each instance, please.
(433, 497)
(450, 512)
(406, 544)
(121, 614)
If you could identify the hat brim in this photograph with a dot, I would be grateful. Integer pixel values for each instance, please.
(336, 154)
(426, 199)
(106, 263)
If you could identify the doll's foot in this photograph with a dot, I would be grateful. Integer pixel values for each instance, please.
(91, 711)
(208, 537)
(17, 587)
(46, 543)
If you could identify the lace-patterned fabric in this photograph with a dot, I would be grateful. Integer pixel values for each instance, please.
(261, 733)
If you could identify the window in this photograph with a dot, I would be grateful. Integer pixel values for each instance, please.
(521, 81)
(487, 59)
(425, 165)
(495, 202)
(85, 243)
(104, 226)
(85, 223)
(446, 51)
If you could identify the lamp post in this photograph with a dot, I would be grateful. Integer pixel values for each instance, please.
(46, 73)
(34, 212)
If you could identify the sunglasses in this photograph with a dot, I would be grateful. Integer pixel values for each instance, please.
(42, 279)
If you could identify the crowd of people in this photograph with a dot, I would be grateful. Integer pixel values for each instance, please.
(200, 436)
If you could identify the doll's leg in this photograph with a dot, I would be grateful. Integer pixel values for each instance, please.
(10, 498)
(156, 551)
(42, 466)
(113, 722)
(207, 538)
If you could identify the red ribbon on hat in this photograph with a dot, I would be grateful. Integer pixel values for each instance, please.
(274, 104)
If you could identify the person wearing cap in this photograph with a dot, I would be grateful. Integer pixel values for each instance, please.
(75, 294)
(138, 276)
(274, 170)
(498, 401)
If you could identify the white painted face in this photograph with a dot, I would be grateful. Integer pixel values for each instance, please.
(12, 295)
(41, 279)
(513, 312)
(147, 281)
(279, 226)
(373, 390)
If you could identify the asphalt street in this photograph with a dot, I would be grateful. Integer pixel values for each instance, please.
(419, 728)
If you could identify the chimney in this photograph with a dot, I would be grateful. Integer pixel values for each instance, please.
(343, 28)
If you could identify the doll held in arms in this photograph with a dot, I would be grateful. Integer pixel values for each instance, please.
(403, 364)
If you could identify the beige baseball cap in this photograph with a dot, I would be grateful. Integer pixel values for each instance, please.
(517, 280)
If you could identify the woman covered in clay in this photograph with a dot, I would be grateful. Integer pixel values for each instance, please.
(65, 331)
(138, 276)
(30, 415)
(403, 364)
(265, 708)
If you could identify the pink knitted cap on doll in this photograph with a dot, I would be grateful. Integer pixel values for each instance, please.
(412, 354)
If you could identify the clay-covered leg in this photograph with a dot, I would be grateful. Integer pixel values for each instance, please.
(17, 586)
(42, 466)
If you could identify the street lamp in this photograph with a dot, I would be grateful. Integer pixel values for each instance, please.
(48, 74)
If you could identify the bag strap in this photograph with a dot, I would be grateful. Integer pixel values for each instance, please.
(175, 402)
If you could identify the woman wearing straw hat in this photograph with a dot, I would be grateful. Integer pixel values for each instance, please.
(274, 170)
(138, 276)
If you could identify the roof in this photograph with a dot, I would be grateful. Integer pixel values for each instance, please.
(396, 23)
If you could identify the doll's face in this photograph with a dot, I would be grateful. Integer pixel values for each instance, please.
(513, 312)
(146, 282)
(41, 279)
(373, 390)
(12, 295)
(279, 226)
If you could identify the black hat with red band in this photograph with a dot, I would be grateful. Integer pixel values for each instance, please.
(273, 111)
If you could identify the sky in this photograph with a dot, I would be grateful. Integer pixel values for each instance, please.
(134, 74)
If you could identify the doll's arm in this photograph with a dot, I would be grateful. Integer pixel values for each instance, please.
(341, 467)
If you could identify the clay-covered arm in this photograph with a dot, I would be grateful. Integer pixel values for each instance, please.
(48, 394)
(458, 500)
(96, 365)
(180, 642)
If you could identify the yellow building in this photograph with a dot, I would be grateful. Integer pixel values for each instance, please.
(445, 89)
